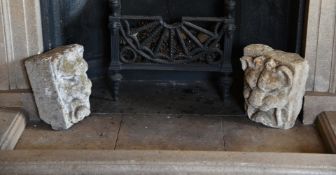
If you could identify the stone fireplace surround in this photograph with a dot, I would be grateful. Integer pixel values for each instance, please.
(320, 51)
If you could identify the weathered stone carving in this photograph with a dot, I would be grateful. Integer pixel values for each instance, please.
(60, 85)
(274, 85)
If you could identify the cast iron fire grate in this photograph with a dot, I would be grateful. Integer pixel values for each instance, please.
(189, 44)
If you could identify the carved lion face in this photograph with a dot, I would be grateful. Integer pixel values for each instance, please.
(74, 84)
(265, 78)
(274, 85)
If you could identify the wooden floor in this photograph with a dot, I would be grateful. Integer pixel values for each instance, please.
(172, 132)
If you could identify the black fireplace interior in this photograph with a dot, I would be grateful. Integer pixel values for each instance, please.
(173, 10)
(277, 23)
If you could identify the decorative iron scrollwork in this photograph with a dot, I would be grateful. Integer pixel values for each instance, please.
(151, 40)
(149, 43)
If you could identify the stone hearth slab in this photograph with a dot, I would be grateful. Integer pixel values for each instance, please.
(122, 162)
(173, 132)
(326, 124)
(12, 124)
(214, 133)
(165, 132)
(95, 132)
(242, 135)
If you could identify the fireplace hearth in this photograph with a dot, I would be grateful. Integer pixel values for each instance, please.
(177, 123)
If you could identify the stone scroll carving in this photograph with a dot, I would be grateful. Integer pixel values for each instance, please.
(60, 85)
(274, 85)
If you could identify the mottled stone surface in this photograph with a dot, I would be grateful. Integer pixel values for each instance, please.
(60, 85)
(326, 124)
(316, 103)
(12, 125)
(172, 132)
(20, 37)
(274, 85)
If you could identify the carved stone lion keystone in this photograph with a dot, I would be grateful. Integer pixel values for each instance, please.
(60, 85)
(274, 85)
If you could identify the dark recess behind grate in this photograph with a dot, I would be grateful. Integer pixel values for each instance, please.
(273, 22)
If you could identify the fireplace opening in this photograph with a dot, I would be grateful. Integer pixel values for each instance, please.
(276, 23)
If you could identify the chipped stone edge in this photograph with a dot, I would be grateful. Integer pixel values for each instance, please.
(325, 127)
(120, 162)
(12, 135)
